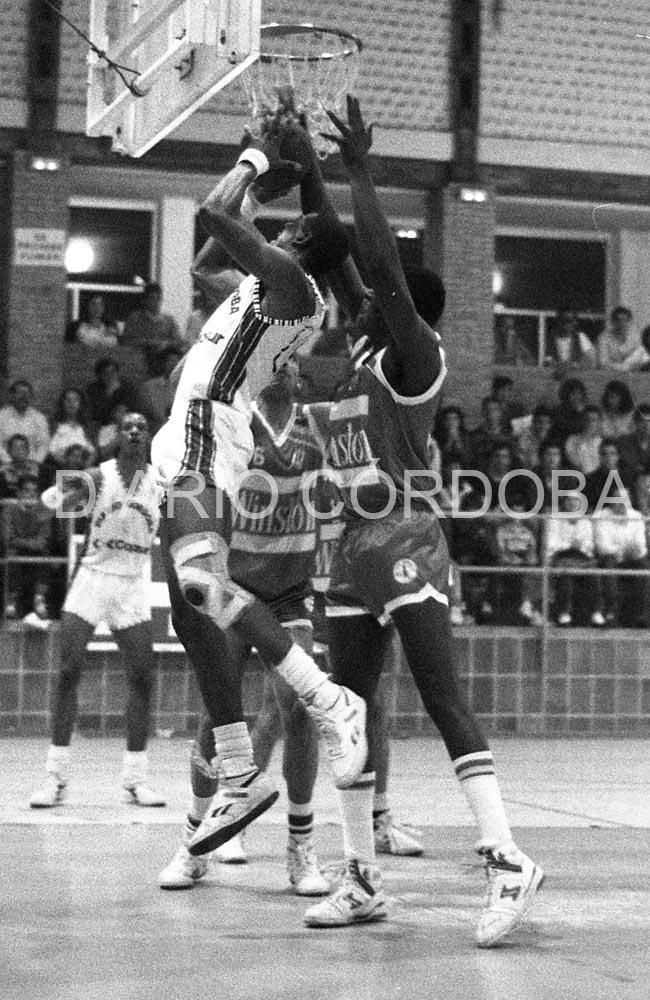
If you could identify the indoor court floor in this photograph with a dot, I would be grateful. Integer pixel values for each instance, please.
(82, 917)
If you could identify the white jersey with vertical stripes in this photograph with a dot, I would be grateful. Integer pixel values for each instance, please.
(124, 523)
(208, 428)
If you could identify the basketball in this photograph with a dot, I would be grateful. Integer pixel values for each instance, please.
(294, 146)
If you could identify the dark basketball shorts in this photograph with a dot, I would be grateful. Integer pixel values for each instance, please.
(381, 565)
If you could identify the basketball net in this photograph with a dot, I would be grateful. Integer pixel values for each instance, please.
(316, 66)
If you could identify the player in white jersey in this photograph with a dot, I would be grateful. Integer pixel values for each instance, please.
(111, 585)
(202, 453)
(392, 562)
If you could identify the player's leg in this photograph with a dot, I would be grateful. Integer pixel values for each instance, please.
(391, 836)
(244, 794)
(197, 546)
(300, 768)
(184, 870)
(357, 646)
(75, 635)
(513, 878)
(136, 645)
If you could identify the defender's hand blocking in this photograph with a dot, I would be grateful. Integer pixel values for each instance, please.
(355, 138)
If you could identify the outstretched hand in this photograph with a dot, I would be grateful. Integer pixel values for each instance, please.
(355, 138)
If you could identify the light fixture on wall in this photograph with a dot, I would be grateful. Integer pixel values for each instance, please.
(50, 164)
(79, 256)
(472, 194)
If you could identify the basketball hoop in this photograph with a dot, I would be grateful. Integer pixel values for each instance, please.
(317, 66)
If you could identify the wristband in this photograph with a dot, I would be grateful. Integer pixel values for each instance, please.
(256, 159)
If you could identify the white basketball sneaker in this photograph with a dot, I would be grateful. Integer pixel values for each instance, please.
(396, 838)
(52, 793)
(231, 810)
(135, 789)
(232, 852)
(357, 898)
(512, 884)
(343, 730)
(183, 870)
(304, 871)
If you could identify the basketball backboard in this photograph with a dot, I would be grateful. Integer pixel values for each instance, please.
(173, 56)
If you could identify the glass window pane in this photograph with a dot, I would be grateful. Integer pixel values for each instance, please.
(548, 274)
(115, 245)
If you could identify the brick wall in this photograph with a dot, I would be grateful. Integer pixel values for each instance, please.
(37, 296)
(576, 684)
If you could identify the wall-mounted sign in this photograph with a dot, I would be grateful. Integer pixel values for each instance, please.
(39, 247)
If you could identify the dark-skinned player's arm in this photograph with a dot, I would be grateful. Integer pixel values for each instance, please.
(344, 280)
(220, 214)
(81, 491)
(414, 344)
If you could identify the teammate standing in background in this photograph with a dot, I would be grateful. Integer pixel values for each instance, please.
(111, 585)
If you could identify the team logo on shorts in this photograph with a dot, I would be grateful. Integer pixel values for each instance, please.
(405, 571)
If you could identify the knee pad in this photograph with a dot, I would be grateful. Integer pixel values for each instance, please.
(201, 564)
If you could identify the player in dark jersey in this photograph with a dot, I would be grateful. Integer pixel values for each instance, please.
(392, 561)
(202, 453)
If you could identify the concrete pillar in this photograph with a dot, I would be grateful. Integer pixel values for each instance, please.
(177, 219)
(37, 276)
(466, 249)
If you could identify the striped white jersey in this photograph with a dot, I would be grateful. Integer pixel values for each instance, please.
(124, 523)
(208, 428)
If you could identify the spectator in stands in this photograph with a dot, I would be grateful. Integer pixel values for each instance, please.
(550, 461)
(95, 330)
(644, 359)
(107, 390)
(619, 341)
(108, 436)
(451, 435)
(568, 543)
(503, 389)
(514, 544)
(150, 330)
(18, 466)
(71, 425)
(620, 542)
(20, 416)
(634, 448)
(583, 450)
(491, 431)
(531, 439)
(569, 414)
(568, 345)
(27, 529)
(618, 410)
(608, 479)
(155, 395)
(641, 500)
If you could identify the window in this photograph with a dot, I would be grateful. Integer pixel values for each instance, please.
(535, 277)
(111, 250)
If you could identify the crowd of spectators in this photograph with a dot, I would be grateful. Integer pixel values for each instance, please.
(566, 487)
(606, 441)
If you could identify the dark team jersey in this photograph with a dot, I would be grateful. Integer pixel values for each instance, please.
(274, 526)
(376, 441)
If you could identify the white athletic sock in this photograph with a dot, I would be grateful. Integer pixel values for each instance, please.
(306, 678)
(235, 752)
(478, 781)
(135, 766)
(355, 805)
(57, 760)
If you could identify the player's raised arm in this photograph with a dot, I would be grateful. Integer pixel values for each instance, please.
(413, 340)
(221, 216)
